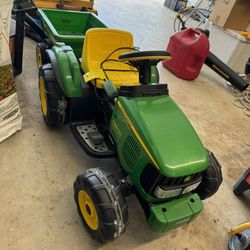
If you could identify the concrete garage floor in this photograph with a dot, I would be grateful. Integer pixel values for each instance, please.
(39, 165)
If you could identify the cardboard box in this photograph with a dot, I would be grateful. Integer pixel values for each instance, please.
(231, 14)
(237, 49)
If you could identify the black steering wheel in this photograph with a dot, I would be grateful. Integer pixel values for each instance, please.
(143, 60)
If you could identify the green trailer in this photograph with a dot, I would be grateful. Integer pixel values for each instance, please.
(67, 27)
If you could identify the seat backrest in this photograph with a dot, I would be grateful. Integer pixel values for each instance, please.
(99, 43)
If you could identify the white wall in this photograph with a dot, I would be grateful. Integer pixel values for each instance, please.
(192, 2)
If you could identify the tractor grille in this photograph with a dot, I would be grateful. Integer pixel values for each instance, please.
(131, 151)
(151, 178)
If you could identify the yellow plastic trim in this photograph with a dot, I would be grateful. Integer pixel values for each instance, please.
(131, 126)
(240, 228)
(43, 96)
(99, 43)
(88, 210)
(218, 69)
(38, 57)
(167, 58)
(95, 74)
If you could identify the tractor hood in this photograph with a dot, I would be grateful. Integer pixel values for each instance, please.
(167, 136)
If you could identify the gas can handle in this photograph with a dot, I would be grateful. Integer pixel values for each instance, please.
(197, 32)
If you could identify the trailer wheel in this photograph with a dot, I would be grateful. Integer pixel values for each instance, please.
(101, 204)
(41, 57)
(53, 103)
(211, 179)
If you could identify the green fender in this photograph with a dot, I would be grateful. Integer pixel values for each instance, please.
(67, 70)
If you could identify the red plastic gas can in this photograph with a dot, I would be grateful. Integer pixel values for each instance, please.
(189, 49)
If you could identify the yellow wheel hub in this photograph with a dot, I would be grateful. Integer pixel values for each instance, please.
(38, 57)
(42, 95)
(88, 210)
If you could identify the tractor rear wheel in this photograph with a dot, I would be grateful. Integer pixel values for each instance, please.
(211, 178)
(53, 103)
(41, 57)
(101, 204)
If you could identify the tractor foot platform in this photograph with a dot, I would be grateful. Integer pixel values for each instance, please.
(91, 140)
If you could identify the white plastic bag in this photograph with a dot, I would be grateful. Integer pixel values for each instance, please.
(5, 14)
(6, 72)
(5, 57)
(10, 116)
(5, 2)
(5, 20)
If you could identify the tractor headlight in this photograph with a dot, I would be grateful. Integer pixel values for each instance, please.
(191, 187)
(164, 187)
(161, 193)
(169, 193)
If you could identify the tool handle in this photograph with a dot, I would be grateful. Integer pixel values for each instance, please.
(225, 72)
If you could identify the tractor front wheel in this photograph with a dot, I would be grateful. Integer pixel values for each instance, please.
(53, 103)
(101, 204)
(211, 178)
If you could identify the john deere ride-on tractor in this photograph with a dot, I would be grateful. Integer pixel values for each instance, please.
(116, 108)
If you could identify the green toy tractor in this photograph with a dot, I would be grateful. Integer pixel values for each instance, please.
(117, 109)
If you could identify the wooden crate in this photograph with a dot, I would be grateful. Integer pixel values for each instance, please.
(65, 4)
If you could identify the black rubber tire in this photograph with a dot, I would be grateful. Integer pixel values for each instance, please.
(109, 201)
(211, 178)
(41, 56)
(49, 43)
(55, 102)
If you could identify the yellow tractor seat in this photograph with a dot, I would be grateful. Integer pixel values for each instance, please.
(100, 58)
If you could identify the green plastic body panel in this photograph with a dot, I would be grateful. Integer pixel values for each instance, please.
(69, 27)
(167, 135)
(154, 75)
(174, 213)
(110, 89)
(69, 71)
